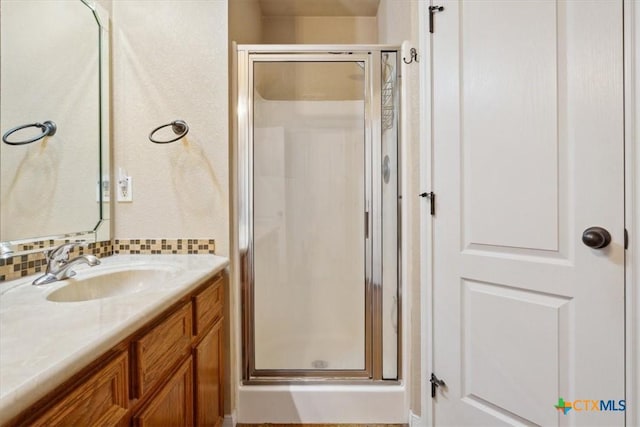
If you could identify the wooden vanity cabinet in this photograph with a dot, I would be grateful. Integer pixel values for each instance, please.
(194, 391)
(160, 349)
(102, 399)
(172, 405)
(208, 368)
(168, 373)
(208, 356)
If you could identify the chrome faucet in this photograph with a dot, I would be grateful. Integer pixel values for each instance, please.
(59, 266)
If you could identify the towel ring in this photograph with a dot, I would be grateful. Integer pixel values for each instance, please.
(179, 127)
(48, 129)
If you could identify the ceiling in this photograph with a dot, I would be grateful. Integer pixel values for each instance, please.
(319, 7)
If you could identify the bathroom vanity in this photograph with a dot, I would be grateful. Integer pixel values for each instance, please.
(102, 361)
(136, 340)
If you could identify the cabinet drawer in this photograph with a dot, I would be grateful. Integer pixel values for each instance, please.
(161, 348)
(100, 400)
(208, 305)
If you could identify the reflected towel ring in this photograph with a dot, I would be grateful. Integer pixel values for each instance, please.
(179, 127)
(48, 129)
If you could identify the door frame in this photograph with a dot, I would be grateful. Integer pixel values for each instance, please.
(426, 222)
(253, 374)
(631, 40)
(371, 56)
(632, 207)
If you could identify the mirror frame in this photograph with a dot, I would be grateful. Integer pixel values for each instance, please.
(102, 230)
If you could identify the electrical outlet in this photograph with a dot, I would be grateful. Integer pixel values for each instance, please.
(124, 187)
(104, 186)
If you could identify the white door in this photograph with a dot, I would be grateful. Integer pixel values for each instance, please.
(528, 153)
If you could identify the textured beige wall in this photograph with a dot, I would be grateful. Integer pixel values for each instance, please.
(107, 5)
(398, 22)
(245, 21)
(170, 62)
(49, 74)
(319, 29)
(289, 82)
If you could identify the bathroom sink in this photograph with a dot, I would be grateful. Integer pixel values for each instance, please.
(112, 283)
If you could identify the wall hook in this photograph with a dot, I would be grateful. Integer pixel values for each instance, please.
(414, 56)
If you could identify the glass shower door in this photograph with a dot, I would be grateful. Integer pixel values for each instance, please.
(310, 221)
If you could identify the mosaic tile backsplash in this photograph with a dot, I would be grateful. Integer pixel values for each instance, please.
(26, 265)
(164, 246)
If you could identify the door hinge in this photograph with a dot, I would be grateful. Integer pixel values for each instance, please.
(432, 11)
(432, 200)
(435, 383)
(626, 239)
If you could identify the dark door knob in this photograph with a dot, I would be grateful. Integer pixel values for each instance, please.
(596, 237)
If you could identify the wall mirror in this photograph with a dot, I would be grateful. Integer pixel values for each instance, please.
(54, 121)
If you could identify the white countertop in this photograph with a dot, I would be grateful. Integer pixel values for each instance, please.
(44, 343)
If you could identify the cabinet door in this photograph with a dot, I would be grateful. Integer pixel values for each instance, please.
(173, 404)
(101, 400)
(160, 349)
(209, 377)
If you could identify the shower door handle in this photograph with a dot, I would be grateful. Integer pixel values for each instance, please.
(366, 224)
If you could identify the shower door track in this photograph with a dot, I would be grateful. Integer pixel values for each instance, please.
(370, 56)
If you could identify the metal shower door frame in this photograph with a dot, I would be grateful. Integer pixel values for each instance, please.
(370, 56)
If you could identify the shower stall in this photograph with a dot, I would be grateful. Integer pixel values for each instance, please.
(318, 209)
